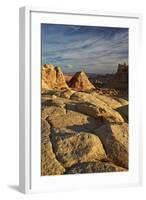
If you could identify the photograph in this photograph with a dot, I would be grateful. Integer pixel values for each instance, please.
(84, 99)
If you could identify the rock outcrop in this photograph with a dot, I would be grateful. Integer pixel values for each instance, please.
(115, 84)
(121, 77)
(80, 82)
(49, 163)
(82, 130)
(52, 77)
(123, 110)
(122, 72)
(94, 167)
(112, 102)
(83, 133)
(95, 107)
(72, 120)
(77, 147)
(115, 140)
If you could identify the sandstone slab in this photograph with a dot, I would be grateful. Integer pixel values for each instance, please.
(78, 147)
(72, 120)
(52, 111)
(100, 111)
(115, 141)
(45, 130)
(110, 101)
(49, 163)
(94, 167)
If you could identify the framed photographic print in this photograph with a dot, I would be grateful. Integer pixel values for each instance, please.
(79, 108)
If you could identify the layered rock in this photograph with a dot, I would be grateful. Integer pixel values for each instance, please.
(98, 111)
(52, 77)
(112, 102)
(94, 107)
(80, 82)
(83, 132)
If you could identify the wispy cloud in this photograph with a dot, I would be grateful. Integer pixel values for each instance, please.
(93, 49)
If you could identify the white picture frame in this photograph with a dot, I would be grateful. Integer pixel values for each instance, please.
(29, 160)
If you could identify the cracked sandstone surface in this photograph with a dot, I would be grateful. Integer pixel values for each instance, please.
(83, 133)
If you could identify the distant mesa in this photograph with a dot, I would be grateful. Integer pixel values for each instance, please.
(80, 82)
(116, 83)
(121, 77)
(52, 77)
(122, 68)
(122, 73)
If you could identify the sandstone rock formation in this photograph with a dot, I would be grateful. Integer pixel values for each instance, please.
(72, 120)
(77, 147)
(83, 133)
(112, 102)
(52, 77)
(94, 167)
(80, 82)
(49, 163)
(115, 140)
(82, 130)
(123, 110)
(95, 107)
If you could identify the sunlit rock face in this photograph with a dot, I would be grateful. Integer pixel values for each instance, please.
(52, 77)
(80, 82)
(82, 131)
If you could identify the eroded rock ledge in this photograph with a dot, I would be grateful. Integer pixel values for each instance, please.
(83, 132)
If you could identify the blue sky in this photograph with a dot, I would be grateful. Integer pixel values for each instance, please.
(89, 48)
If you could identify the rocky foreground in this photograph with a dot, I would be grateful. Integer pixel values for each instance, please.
(83, 132)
